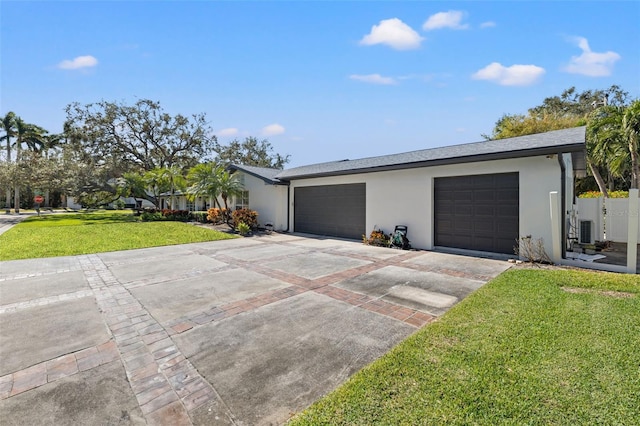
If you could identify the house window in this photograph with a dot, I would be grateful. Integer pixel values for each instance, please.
(191, 205)
(242, 200)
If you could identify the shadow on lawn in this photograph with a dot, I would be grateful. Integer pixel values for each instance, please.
(88, 218)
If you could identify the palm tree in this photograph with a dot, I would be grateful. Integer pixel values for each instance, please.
(132, 185)
(156, 181)
(204, 181)
(175, 180)
(606, 146)
(229, 185)
(32, 136)
(631, 128)
(8, 125)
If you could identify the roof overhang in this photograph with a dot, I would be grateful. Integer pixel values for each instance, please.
(533, 152)
(234, 168)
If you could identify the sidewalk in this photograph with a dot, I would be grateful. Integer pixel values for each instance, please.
(8, 220)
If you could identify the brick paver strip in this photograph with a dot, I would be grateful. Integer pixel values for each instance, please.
(56, 369)
(39, 274)
(298, 285)
(13, 307)
(157, 371)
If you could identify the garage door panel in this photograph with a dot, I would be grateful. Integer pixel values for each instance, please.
(486, 212)
(332, 210)
(506, 195)
(507, 211)
(484, 195)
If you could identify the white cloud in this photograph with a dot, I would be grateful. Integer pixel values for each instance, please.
(229, 131)
(590, 63)
(394, 33)
(515, 75)
(451, 19)
(79, 62)
(272, 130)
(373, 79)
(488, 24)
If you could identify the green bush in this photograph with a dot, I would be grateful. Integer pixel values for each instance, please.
(151, 216)
(243, 229)
(249, 217)
(199, 216)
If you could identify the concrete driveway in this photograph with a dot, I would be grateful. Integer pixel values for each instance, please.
(246, 332)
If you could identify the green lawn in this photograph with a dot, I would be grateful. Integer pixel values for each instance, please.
(521, 350)
(85, 233)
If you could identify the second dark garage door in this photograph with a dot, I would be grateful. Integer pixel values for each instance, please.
(332, 210)
(479, 212)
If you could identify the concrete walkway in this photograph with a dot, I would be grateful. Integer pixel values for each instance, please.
(246, 331)
(9, 220)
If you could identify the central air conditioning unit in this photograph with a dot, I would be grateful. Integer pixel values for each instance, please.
(586, 232)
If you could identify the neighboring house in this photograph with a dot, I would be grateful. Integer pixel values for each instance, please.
(180, 201)
(129, 203)
(262, 193)
(480, 196)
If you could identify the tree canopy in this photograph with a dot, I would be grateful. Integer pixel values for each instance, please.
(612, 152)
(141, 136)
(111, 149)
(250, 152)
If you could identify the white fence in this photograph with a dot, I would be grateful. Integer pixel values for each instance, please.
(612, 225)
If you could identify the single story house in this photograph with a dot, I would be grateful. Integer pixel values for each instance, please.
(479, 196)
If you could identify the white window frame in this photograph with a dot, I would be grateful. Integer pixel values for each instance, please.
(242, 200)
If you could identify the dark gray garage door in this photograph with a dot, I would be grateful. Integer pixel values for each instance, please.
(332, 210)
(478, 212)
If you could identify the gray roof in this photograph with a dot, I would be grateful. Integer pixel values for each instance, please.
(266, 174)
(567, 140)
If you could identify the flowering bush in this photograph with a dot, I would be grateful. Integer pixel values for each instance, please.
(376, 238)
(598, 194)
(249, 217)
(216, 215)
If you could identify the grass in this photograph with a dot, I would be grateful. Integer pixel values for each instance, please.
(521, 350)
(85, 233)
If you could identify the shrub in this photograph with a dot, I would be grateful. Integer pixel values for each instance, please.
(198, 216)
(532, 250)
(243, 229)
(151, 216)
(249, 217)
(216, 215)
(376, 238)
(177, 215)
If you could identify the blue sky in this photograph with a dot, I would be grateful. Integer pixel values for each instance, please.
(324, 80)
